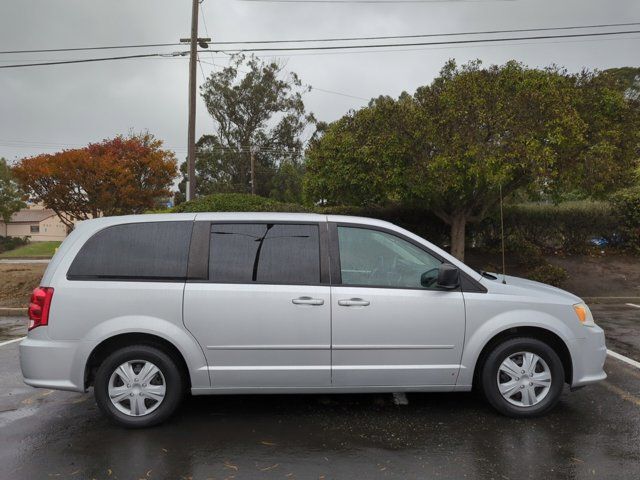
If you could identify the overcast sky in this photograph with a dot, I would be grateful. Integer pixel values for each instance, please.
(43, 109)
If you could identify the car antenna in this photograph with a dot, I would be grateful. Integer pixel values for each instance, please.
(504, 269)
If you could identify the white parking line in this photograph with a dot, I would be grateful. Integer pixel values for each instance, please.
(624, 359)
(2, 344)
(632, 305)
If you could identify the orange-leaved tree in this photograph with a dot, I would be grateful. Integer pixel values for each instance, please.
(117, 176)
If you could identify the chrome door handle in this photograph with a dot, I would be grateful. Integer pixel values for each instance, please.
(307, 301)
(353, 302)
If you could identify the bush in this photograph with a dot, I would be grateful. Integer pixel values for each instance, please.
(547, 273)
(626, 205)
(568, 226)
(523, 251)
(10, 243)
(236, 202)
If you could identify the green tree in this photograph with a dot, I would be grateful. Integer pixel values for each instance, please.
(286, 185)
(625, 80)
(503, 128)
(453, 145)
(609, 104)
(256, 108)
(11, 197)
(360, 159)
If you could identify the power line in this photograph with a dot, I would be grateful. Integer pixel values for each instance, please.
(417, 44)
(410, 49)
(443, 47)
(322, 40)
(80, 49)
(204, 22)
(428, 35)
(87, 60)
(375, 1)
(339, 93)
(332, 47)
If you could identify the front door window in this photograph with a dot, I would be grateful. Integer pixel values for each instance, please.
(377, 259)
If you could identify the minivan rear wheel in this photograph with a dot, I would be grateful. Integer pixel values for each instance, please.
(522, 377)
(138, 386)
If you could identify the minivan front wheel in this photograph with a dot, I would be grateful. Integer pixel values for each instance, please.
(138, 386)
(522, 377)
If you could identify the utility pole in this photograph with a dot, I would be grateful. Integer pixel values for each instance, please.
(191, 146)
(253, 171)
(194, 41)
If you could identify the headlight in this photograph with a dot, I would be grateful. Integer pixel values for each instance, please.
(584, 314)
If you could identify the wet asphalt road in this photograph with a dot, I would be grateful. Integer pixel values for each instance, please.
(593, 433)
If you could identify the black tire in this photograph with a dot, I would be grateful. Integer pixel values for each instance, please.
(489, 377)
(174, 385)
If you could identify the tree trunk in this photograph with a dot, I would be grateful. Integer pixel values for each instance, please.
(458, 226)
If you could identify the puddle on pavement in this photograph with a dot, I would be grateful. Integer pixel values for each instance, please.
(12, 327)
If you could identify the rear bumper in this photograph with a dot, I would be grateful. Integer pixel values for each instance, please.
(588, 354)
(47, 363)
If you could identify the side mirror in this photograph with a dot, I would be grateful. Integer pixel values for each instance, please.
(448, 277)
(429, 278)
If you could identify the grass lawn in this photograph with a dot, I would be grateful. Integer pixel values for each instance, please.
(35, 249)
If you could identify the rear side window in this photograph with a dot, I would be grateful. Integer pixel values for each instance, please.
(264, 253)
(135, 251)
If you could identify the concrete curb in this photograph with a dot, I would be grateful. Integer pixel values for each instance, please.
(32, 257)
(24, 261)
(13, 311)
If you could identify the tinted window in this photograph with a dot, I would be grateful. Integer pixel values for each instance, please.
(374, 258)
(264, 253)
(155, 250)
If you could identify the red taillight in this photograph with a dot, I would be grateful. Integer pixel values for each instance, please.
(39, 306)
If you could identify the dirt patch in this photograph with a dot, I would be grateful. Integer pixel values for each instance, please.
(17, 280)
(605, 275)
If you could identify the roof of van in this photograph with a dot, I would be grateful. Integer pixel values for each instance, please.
(233, 216)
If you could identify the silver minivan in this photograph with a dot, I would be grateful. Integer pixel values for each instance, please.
(147, 308)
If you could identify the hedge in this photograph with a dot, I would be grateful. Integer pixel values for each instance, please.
(626, 208)
(528, 227)
(568, 226)
(11, 243)
(236, 202)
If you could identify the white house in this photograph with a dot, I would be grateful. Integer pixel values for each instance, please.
(40, 224)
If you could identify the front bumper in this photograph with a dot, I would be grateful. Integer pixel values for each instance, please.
(47, 363)
(588, 354)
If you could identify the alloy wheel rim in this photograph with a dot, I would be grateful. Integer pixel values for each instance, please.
(524, 379)
(137, 388)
